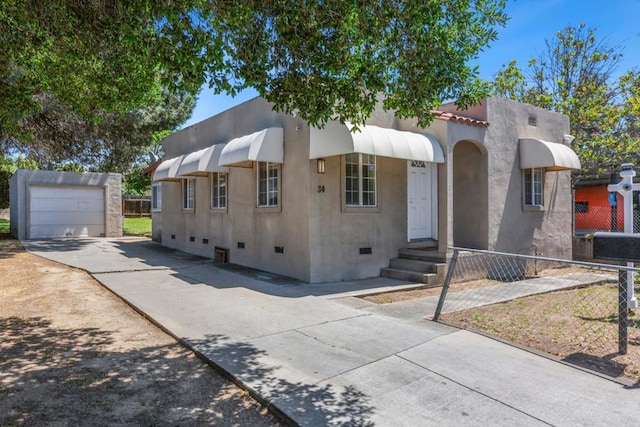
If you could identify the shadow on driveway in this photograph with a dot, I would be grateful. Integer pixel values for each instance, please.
(102, 255)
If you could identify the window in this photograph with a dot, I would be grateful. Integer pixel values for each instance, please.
(267, 184)
(218, 190)
(533, 187)
(581, 207)
(188, 193)
(156, 197)
(360, 179)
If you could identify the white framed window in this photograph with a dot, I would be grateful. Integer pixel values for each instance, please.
(218, 190)
(188, 193)
(533, 187)
(156, 196)
(360, 179)
(268, 175)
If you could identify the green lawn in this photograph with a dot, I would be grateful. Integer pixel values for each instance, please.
(4, 225)
(137, 227)
(132, 226)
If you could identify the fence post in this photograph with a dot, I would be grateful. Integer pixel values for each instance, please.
(445, 286)
(623, 311)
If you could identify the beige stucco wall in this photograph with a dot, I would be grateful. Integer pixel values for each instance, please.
(260, 229)
(22, 179)
(511, 228)
(338, 233)
(322, 238)
(508, 227)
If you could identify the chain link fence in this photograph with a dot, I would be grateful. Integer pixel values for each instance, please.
(590, 219)
(575, 310)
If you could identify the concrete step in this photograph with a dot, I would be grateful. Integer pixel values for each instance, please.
(422, 255)
(410, 275)
(428, 244)
(413, 264)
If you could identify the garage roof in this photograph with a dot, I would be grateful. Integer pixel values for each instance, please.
(336, 139)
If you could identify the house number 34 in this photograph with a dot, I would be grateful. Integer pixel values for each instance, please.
(320, 188)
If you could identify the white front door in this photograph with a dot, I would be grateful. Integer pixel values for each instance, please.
(422, 190)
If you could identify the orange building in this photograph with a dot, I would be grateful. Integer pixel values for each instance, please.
(593, 210)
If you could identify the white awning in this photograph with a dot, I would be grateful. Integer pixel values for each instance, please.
(202, 162)
(168, 169)
(336, 139)
(535, 153)
(263, 146)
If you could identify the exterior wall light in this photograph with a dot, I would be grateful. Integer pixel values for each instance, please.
(320, 165)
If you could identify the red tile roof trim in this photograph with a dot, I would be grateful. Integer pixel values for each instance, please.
(441, 115)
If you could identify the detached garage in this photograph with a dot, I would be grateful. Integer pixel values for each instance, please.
(48, 204)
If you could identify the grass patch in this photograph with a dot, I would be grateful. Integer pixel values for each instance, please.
(137, 227)
(4, 225)
(131, 226)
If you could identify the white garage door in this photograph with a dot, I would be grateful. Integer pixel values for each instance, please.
(66, 212)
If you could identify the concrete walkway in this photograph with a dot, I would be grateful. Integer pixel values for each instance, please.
(324, 358)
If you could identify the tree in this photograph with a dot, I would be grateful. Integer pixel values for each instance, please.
(324, 58)
(114, 142)
(136, 183)
(7, 168)
(574, 75)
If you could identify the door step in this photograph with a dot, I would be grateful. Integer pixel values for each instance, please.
(415, 265)
(410, 276)
(422, 255)
(423, 244)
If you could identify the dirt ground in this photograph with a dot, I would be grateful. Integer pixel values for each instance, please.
(72, 353)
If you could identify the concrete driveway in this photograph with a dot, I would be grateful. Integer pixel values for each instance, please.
(321, 357)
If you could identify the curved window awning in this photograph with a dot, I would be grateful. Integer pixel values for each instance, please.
(336, 139)
(202, 162)
(168, 169)
(263, 146)
(535, 153)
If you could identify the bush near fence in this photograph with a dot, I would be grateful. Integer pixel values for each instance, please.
(566, 308)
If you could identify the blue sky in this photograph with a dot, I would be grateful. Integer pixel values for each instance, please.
(530, 23)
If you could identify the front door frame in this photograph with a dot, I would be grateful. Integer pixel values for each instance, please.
(432, 190)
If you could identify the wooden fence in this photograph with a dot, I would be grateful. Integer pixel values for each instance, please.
(136, 207)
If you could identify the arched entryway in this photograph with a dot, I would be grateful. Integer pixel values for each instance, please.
(470, 196)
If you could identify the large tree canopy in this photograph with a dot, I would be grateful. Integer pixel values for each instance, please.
(324, 58)
(575, 75)
(56, 135)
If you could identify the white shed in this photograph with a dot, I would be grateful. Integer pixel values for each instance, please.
(49, 204)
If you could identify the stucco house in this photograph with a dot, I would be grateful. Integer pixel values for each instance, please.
(264, 189)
